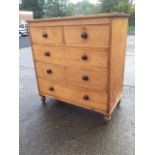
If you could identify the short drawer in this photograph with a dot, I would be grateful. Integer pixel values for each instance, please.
(94, 99)
(88, 35)
(47, 35)
(86, 57)
(75, 76)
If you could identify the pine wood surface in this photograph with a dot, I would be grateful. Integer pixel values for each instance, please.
(72, 35)
(97, 99)
(97, 79)
(117, 59)
(96, 57)
(58, 45)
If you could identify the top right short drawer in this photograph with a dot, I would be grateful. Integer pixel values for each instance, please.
(87, 35)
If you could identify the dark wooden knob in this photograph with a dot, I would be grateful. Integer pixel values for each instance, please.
(85, 77)
(44, 34)
(51, 88)
(84, 35)
(84, 57)
(49, 71)
(47, 53)
(86, 97)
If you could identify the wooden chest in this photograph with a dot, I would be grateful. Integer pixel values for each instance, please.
(80, 60)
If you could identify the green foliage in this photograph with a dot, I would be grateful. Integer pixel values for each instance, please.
(70, 9)
(54, 8)
(33, 5)
(131, 29)
(81, 8)
(105, 6)
(123, 6)
(116, 5)
(132, 16)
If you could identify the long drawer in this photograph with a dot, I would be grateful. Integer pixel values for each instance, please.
(86, 57)
(75, 76)
(87, 35)
(94, 99)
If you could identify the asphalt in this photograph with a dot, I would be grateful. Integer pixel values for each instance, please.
(63, 129)
(24, 42)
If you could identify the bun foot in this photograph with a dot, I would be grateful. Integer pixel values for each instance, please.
(107, 118)
(43, 99)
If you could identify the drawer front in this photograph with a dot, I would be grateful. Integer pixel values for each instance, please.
(86, 57)
(88, 36)
(47, 35)
(75, 76)
(95, 99)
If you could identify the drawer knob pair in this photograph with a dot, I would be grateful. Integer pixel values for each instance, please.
(49, 71)
(84, 35)
(44, 35)
(85, 77)
(84, 57)
(47, 53)
(51, 88)
(86, 97)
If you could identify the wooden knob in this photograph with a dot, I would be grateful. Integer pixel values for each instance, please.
(84, 35)
(47, 53)
(51, 88)
(44, 35)
(85, 77)
(84, 57)
(49, 71)
(86, 97)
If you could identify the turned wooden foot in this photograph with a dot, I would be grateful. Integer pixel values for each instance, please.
(43, 99)
(107, 118)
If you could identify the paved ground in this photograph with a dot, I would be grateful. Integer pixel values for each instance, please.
(24, 42)
(62, 129)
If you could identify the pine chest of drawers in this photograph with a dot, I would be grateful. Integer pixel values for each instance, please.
(80, 60)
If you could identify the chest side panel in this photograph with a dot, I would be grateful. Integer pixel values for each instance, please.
(116, 59)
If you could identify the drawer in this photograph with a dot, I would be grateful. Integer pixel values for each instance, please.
(88, 36)
(47, 35)
(75, 76)
(94, 99)
(86, 57)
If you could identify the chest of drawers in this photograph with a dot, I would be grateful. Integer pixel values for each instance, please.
(80, 60)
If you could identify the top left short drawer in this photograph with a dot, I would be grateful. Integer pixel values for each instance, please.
(46, 35)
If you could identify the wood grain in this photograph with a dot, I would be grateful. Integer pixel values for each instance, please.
(73, 35)
(117, 59)
(97, 99)
(89, 17)
(97, 79)
(76, 104)
(97, 57)
(68, 57)
(76, 22)
(54, 35)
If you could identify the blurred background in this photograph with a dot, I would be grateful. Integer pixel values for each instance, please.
(54, 8)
